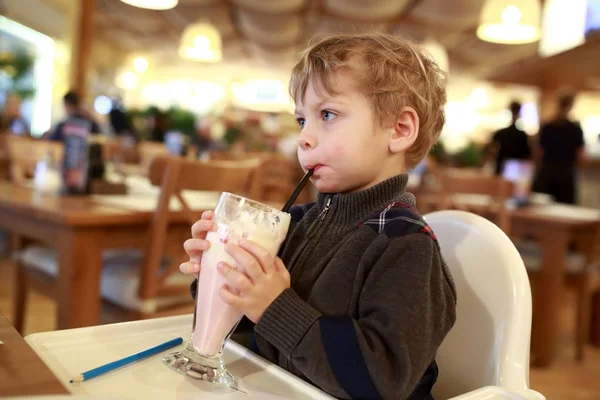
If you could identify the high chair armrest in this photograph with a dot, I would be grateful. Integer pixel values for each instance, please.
(500, 393)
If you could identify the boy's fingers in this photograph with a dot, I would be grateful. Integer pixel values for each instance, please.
(231, 298)
(195, 245)
(200, 228)
(245, 260)
(237, 280)
(279, 265)
(260, 253)
(189, 268)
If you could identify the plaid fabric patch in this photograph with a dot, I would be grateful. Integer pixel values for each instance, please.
(398, 219)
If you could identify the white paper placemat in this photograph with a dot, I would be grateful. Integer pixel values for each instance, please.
(68, 353)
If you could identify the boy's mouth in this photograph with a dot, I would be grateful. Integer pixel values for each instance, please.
(315, 167)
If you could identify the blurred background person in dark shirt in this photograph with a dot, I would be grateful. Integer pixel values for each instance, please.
(510, 142)
(158, 123)
(561, 146)
(119, 121)
(75, 113)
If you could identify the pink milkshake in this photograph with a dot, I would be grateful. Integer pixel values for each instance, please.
(215, 318)
(235, 218)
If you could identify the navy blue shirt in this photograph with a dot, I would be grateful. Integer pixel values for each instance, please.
(58, 135)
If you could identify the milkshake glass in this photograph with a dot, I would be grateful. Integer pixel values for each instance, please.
(235, 218)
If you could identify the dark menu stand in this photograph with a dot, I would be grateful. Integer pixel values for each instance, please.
(76, 156)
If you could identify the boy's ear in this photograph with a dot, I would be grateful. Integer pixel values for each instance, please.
(405, 130)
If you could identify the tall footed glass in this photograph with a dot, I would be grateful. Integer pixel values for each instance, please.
(235, 218)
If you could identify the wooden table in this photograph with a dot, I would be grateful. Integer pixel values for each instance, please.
(554, 226)
(22, 372)
(80, 228)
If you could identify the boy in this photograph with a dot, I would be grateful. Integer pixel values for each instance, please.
(360, 299)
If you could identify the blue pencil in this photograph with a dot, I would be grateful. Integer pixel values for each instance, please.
(127, 360)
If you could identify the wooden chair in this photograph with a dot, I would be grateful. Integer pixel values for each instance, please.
(148, 151)
(24, 153)
(478, 193)
(279, 174)
(120, 150)
(4, 163)
(146, 283)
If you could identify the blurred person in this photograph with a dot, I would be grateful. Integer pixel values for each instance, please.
(119, 120)
(204, 140)
(158, 123)
(510, 142)
(11, 120)
(253, 138)
(561, 147)
(76, 116)
(74, 132)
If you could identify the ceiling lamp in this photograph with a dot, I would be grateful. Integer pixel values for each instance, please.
(510, 21)
(438, 53)
(201, 42)
(140, 64)
(152, 4)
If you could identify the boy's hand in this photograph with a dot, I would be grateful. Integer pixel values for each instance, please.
(264, 279)
(195, 246)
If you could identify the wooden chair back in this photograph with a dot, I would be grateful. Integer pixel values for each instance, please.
(279, 175)
(148, 151)
(494, 193)
(24, 153)
(175, 175)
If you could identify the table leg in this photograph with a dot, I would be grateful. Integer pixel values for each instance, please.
(548, 296)
(80, 263)
(595, 324)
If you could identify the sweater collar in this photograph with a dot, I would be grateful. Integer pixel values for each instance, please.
(350, 209)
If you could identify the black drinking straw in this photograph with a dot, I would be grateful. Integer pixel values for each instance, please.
(297, 191)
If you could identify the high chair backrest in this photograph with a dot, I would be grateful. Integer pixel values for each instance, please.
(489, 344)
(491, 194)
(175, 175)
(24, 153)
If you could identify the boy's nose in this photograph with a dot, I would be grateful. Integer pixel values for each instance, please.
(305, 143)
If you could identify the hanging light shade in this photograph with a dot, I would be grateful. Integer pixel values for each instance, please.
(152, 4)
(438, 53)
(510, 21)
(201, 42)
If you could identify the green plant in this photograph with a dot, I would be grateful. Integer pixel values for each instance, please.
(470, 156)
(181, 120)
(232, 133)
(18, 66)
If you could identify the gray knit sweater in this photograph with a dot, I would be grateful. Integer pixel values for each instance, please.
(371, 297)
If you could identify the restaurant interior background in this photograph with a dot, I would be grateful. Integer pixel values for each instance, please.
(222, 67)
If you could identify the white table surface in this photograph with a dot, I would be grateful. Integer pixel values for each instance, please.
(68, 353)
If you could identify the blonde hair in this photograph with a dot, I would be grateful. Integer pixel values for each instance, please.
(393, 72)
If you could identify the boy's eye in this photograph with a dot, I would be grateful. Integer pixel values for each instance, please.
(327, 115)
(301, 122)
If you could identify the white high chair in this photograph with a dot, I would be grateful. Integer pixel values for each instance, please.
(486, 354)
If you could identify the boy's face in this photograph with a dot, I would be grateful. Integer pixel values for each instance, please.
(341, 139)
